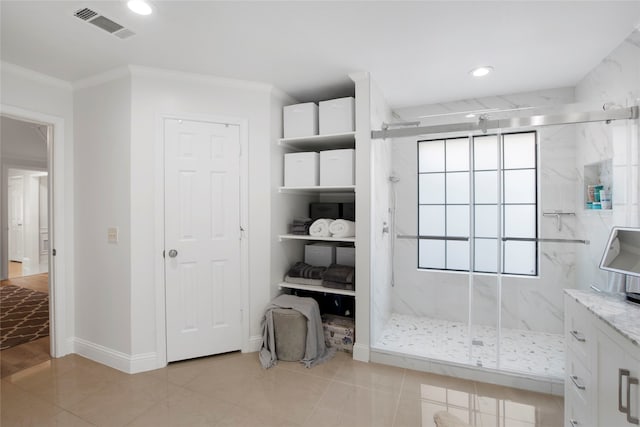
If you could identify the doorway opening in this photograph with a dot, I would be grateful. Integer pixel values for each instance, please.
(25, 284)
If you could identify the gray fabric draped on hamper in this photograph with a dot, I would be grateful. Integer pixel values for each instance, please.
(316, 351)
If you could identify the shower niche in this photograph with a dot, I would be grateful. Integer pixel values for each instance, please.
(598, 185)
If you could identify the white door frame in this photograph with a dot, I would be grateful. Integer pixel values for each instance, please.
(161, 309)
(59, 311)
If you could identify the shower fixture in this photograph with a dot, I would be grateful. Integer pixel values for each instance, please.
(386, 125)
(558, 216)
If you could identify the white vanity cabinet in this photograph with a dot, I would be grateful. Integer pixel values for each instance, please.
(618, 371)
(602, 361)
(579, 347)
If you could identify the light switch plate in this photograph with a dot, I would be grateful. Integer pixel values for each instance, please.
(112, 235)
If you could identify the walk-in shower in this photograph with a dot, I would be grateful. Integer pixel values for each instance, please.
(487, 225)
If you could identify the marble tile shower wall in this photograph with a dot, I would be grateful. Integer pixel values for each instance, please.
(380, 203)
(527, 303)
(380, 241)
(616, 79)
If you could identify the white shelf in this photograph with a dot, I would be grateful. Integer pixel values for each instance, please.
(320, 142)
(323, 239)
(317, 189)
(314, 288)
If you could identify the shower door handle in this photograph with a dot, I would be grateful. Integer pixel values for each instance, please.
(576, 381)
(578, 336)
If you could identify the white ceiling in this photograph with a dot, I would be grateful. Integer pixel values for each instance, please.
(418, 52)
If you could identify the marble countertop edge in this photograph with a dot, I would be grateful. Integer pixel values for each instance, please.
(613, 309)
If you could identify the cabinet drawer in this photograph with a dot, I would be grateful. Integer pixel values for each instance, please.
(576, 409)
(579, 332)
(578, 378)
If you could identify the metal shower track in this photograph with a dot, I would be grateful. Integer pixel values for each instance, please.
(484, 124)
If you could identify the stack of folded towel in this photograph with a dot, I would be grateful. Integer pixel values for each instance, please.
(305, 274)
(335, 276)
(333, 228)
(300, 226)
(339, 277)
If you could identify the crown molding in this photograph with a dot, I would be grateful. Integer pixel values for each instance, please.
(137, 70)
(102, 78)
(7, 67)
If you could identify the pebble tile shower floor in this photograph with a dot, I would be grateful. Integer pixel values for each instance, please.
(534, 353)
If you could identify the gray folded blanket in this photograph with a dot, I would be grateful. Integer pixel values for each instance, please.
(300, 269)
(316, 351)
(338, 285)
(339, 273)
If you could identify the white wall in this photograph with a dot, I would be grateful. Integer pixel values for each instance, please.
(364, 188)
(23, 141)
(616, 79)
(154, 93)
(27, 93)
(102, 165)
(527, 303)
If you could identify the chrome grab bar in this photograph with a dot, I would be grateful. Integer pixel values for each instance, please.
(504, 239)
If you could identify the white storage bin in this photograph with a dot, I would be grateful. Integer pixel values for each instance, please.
(300, 120)
(320, 254)
(301, 169)
(346, 255)
(337, 116)
(337, 167)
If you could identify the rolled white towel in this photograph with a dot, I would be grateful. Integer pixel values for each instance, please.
(320, 228)
(343, 228)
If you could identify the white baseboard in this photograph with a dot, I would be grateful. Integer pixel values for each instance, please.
(361, 352)
(254, 344)
(130, 364)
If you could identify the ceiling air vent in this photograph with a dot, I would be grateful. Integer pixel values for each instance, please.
(101, 21)
(85, 14)
(106, 24)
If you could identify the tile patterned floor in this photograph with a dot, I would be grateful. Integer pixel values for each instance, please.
(233, 390)
(535, 353)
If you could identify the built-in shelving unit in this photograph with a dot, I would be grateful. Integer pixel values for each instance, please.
(290, 204)
(320, 142)
(314, 288)
(321, 239)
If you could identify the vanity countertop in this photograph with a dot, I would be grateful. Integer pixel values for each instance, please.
(621, 315)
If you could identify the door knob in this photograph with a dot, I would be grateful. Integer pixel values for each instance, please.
(173, 253)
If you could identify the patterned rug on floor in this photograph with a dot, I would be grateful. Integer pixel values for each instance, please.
(24, 316)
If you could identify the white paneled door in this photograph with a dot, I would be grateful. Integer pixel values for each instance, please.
(16, 218)
(202, 238)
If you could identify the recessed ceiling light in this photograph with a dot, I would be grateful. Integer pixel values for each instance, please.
(140, 7)
(470, 116)
(481, 71)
